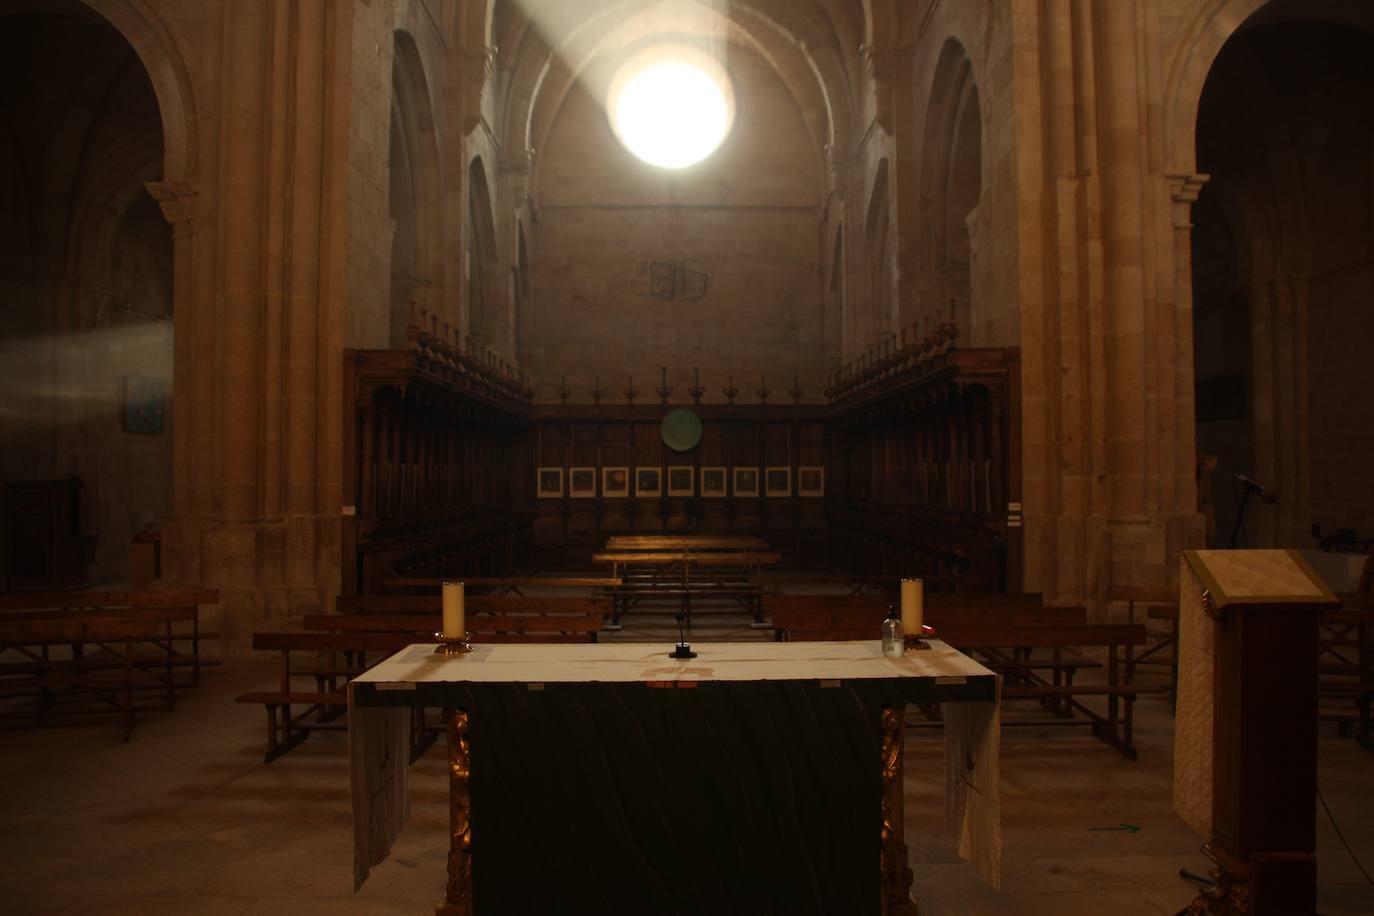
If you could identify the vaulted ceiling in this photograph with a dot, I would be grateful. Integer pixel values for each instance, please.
(816, 47)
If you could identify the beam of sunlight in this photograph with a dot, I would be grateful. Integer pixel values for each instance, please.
(49, 381)
(656, 66)
(669, 111)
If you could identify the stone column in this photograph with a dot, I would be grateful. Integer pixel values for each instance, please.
(260, 298)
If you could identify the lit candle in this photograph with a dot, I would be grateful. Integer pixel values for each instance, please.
(913, 606)
(455, 623)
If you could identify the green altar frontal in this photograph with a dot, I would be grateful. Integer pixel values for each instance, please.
(610, 779)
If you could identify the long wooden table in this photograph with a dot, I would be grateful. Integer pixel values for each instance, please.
(692, 542)
(699, 786)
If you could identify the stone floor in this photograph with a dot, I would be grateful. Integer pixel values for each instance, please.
(187, 819)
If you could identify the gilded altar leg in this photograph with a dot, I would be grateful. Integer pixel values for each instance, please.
(896, 892)
(458, 896)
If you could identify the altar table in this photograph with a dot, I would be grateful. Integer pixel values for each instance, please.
(757, 778)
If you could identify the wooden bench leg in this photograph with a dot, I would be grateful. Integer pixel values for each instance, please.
(271, 732)
(280, 736)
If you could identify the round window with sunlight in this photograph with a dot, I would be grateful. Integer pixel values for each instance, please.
(671, 107)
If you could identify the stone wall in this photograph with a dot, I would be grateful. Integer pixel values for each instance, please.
(748, 218)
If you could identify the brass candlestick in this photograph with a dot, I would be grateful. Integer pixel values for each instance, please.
(663, 391)
(696, 391)
(459, 646)
(915, 642)
(731, 391)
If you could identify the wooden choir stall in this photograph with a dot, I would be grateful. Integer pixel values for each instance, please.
(433, 440)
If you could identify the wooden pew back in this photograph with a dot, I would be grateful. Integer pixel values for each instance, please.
(538, 628)
(575, 605)
(84, 600)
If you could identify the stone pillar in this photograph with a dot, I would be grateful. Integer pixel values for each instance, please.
(260, 299)
(179, 200)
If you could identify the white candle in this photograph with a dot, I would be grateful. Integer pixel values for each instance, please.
(455, 624)
(913, 606)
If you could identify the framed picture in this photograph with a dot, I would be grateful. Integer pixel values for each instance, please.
(648, 482)
(681, 480)
(777, 481)
(549, 482)
(713, 481)
(615, 481)
(810, 481)
(581, 483)
(746, 481)
(145, 404)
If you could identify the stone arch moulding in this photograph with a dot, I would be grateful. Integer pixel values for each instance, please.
(540, 79)
(160, 49)
(482, 260)
(415, 113)
(483, 211)
(1213, 25)
(878, 248)
(950, 182)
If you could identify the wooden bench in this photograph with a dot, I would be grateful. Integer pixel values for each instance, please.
(861, 616)
(1005, 638)
(485, 628)
(1346, 668)
(871, 584)
(110, 647)
(593, 608)
(502, 585)
(336, 658)
(370, 627)
(1007, 650)
(110, 661)
(684, 575)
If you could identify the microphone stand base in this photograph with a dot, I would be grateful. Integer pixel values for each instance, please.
(682, 650)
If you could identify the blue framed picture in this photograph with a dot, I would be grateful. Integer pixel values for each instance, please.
(145, 404)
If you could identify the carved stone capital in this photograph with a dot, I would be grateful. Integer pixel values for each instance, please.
(1184, 190)
(179, 201)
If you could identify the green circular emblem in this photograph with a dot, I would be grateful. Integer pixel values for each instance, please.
(681, 430)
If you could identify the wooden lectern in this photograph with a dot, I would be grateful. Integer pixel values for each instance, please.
(1245, 751)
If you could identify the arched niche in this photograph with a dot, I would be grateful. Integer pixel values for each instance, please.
(951, 182)
(1283, 248)
(416, 189)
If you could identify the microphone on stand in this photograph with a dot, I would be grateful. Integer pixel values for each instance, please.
(1265, 494)
(682, 649)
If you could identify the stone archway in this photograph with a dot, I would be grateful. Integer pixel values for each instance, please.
(1281, 272)
(91, 307)
(415, 193)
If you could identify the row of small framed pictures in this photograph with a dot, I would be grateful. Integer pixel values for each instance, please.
(777, 481)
